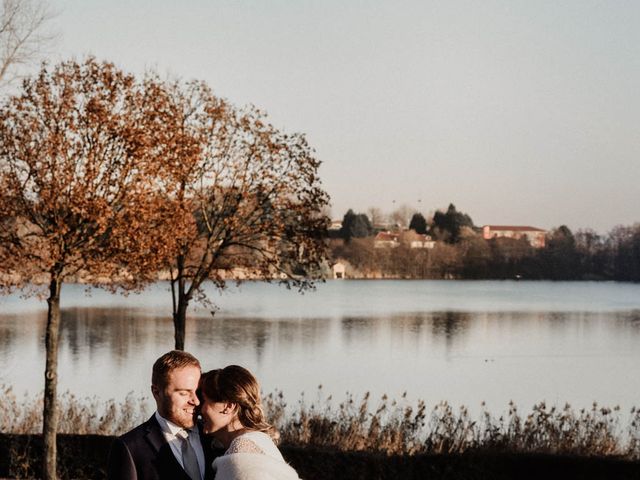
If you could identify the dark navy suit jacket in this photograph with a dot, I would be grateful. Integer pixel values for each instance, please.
(144, 454)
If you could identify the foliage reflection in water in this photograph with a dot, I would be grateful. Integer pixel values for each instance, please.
(382, 337)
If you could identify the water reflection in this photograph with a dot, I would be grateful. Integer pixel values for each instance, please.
(257, 334)
(449, 325)
(443, 328)
(121, 331)
(461, 356)
(20, 328)
(359, 329)
(7, 336)
(633, 318)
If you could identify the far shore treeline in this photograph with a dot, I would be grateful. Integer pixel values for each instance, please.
(458, 250)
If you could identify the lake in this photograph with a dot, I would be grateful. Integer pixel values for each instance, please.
(461, 341)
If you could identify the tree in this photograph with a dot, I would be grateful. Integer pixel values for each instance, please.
(559, 257)
(400, 216)
(446, 260)
(359, 253)
(355, 225)
(376, 216)
(591, 251)
(418, 223)
(76, 150)
(22, 34)
(252, 194)
(476, 256)
(449, 225)
(624, 252)
(511, 258)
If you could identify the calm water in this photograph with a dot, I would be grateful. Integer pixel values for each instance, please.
(465, 342)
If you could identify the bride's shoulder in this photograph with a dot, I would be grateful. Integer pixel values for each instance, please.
(250, 442)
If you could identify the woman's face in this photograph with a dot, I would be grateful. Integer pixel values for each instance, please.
(215, 415)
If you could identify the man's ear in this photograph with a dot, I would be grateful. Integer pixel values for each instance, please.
(155, 391)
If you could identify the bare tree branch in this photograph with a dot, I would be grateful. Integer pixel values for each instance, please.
(23, 35)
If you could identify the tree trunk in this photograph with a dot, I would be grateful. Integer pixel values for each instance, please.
(180, 322)
(50, 410)
(180, 311)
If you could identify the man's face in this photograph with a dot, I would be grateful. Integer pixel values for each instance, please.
(177, 400)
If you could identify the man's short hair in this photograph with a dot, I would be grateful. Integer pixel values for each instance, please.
(169, 362)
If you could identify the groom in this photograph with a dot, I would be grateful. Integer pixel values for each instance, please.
(168, 445)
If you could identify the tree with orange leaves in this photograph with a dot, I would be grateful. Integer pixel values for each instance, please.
(253, 193)
(78, 149)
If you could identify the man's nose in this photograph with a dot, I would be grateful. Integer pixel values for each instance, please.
(194, 399)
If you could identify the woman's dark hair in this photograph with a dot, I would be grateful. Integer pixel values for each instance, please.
(235, 384)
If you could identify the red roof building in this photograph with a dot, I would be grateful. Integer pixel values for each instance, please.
(386, 239)
(535, 236)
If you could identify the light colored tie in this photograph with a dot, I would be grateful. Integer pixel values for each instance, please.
(189, 459)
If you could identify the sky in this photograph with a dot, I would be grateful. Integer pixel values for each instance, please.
(518, 112)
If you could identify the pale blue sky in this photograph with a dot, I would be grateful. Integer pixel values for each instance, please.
(519, 112)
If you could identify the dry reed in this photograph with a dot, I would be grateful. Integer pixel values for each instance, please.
(77, 415)
(392, 427)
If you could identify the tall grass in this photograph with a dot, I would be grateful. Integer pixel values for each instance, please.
(392, 427)
(77, 415)
(388, 426)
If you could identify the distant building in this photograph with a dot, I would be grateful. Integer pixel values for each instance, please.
(386, 240)
(408, 237)
(535, 236)
(339, 269)
(421, 241)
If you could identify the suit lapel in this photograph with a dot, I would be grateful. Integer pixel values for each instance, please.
(154, 434)
(168, 465)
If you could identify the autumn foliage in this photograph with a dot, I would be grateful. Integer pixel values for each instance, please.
(252, 192)
(108, 179)
(76, 146)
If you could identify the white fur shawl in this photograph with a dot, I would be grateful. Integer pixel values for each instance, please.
(252, 466)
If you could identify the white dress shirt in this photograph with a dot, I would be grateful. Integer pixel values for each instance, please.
(169, 430)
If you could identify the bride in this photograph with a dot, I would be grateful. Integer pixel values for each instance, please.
(232, 413)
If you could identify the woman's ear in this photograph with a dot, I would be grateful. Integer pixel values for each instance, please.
(229, 407)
